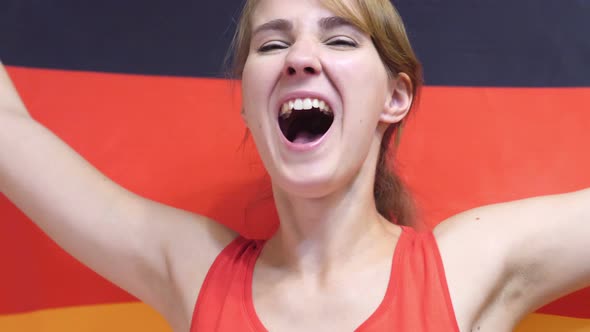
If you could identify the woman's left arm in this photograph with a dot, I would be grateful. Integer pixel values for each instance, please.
(537, 249)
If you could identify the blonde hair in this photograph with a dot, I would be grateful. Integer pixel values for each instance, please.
(381, 21)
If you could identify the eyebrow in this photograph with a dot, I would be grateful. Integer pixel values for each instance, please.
(326, 23)
(274, 25)
(333, 22)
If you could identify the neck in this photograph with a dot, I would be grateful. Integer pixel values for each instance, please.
(317, 234)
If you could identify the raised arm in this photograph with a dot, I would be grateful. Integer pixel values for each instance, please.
(155, 252)
(522, 254)
(10, 102)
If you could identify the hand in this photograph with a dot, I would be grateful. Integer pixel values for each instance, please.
(10, 101)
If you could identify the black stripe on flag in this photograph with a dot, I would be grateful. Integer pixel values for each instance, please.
(464, 43)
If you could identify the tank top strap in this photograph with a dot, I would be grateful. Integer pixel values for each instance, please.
(222, 293)
(417, 298)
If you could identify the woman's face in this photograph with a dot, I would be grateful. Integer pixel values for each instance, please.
(301, 57)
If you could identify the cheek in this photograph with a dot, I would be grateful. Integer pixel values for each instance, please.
(363, 85)
(247, 80)
(257, 82)
(251, 92)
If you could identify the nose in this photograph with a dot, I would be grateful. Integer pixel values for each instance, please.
(302, 60)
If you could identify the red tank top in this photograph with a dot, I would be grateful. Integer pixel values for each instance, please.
(417, 298)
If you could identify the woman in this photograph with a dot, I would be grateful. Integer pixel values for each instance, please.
(325, 85)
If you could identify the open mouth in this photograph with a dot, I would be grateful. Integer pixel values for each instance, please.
(305, 120)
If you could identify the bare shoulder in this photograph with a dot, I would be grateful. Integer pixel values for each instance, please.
(191, 243)
(505, 260)
(473, 253)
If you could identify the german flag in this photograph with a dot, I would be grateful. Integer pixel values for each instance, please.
(138, 89)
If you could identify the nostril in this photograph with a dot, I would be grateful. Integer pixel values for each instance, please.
(309, 70)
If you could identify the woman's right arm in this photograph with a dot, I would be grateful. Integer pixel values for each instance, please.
(155, 252)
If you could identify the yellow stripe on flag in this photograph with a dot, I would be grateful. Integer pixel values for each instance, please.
(550, 323)
(99, 318)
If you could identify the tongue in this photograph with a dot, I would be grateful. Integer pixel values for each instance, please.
(305, 137)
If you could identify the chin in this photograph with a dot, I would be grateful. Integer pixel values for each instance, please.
(306, 183)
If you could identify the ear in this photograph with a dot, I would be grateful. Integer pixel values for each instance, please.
(398, 102)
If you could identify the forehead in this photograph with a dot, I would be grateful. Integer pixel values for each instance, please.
(267, 10)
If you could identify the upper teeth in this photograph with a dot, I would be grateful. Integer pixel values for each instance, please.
(304, 104)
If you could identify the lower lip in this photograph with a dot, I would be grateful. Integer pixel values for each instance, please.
(303, 147)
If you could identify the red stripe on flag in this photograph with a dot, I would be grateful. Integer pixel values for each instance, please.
(467, 147)
(177, 140)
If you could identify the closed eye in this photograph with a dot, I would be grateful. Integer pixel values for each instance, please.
(342, 42)
(272, 46)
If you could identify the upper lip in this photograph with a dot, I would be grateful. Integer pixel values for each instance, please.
(302, 95)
